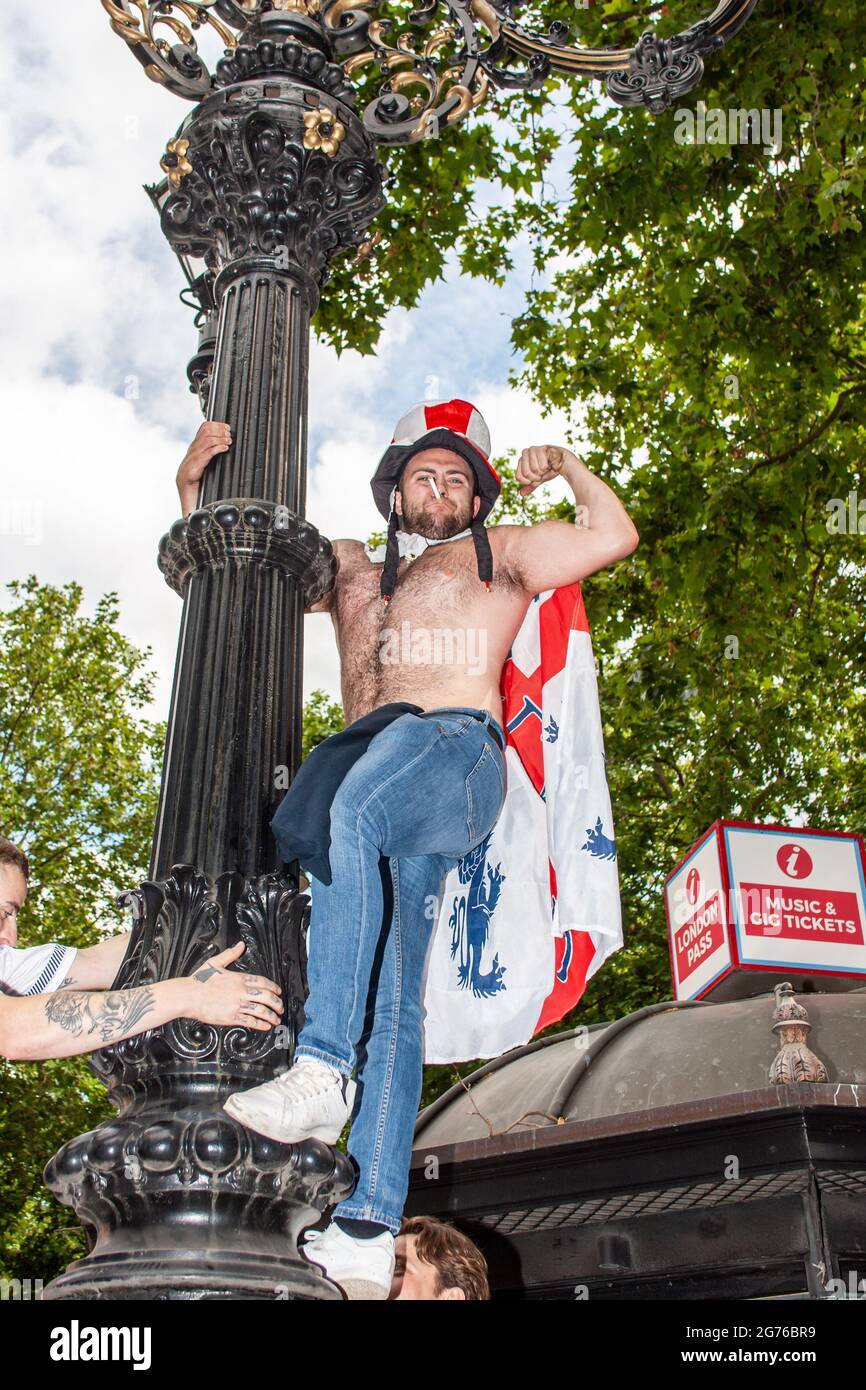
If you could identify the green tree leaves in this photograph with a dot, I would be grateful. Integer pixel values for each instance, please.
(79, 766)
(79, 778)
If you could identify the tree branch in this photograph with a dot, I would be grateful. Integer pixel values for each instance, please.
(812, 436)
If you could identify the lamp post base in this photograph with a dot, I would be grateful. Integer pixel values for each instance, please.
(146, 1263)
(178, 1199)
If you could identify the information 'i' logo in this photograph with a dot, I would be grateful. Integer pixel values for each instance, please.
(795, 861)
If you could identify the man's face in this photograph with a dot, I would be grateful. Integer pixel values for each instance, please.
(419, 509)
(13, 891)
(415, 1279)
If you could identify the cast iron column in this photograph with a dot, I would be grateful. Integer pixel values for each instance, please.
(244, 559)
(272, 173)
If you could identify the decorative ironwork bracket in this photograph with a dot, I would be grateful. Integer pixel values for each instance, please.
(436, 70)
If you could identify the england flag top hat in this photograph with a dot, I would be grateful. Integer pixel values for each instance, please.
(455, 425)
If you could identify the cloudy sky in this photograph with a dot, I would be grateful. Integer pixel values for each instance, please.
(94, 404)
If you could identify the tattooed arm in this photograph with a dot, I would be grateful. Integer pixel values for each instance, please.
(72, 1021)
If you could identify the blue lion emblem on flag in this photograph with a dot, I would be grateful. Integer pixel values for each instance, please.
(470, 922)
(600, 846)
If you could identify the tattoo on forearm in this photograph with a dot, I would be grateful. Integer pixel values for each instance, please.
(68, 983)
(112, 1015)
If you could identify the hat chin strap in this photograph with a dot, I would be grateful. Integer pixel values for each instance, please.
(483, 553)
(392, 558)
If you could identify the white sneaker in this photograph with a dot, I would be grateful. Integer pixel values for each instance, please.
(309, 1101)
(363, 1269)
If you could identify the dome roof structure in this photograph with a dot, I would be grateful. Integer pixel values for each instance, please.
(659, 1056)
(688, 1150)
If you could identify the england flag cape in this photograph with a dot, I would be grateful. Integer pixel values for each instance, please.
(533, 912)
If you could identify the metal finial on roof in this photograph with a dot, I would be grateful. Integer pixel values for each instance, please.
(794, 1061)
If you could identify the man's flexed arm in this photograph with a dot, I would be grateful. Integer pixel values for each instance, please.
(213, 437)
(554, 553)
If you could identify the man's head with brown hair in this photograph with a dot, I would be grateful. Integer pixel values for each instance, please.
(14, 876)
(436, 1261)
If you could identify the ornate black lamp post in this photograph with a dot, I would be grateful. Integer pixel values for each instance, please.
(271, 174)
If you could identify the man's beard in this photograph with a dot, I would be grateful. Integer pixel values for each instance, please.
(434, 521)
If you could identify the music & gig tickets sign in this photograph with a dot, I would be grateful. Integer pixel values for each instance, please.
(750, 905)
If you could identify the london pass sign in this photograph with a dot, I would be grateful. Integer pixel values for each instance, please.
(749, 905)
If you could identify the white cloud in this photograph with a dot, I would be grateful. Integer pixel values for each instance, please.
(94, 482)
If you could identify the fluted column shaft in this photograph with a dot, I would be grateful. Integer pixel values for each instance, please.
(236, 711)
(260, 383)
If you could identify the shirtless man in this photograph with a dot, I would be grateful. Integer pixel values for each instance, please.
(427, 790)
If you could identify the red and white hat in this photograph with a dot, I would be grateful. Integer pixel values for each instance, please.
(455, 425)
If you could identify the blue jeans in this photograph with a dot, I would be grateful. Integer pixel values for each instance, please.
(428, 789)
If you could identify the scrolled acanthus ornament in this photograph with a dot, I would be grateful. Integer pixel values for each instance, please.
(301, 182)
(176, 65)
(661, 69)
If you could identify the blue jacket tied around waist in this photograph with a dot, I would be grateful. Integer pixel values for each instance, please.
(302, 825)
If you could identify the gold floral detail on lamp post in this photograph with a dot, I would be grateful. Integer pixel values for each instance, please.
(322, 131)
(175, 162)
(302, 6)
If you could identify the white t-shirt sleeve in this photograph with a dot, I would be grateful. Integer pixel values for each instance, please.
(37, 970)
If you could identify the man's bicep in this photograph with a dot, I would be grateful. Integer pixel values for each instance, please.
(96, 966)
(553, 553)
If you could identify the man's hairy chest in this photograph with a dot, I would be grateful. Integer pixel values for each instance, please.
(441, 587)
